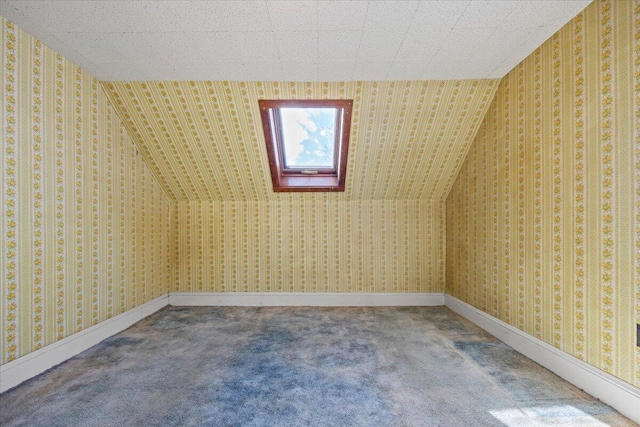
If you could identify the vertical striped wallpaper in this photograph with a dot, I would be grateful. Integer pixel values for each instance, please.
(85, 229)
(316, 244)
(385, 233)
(204, 139)
(543, 221)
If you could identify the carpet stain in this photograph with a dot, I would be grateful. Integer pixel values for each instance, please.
(298, 372)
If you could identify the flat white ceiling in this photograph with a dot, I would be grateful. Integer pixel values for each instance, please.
(293, 40)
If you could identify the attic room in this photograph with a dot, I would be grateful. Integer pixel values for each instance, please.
(336, 213)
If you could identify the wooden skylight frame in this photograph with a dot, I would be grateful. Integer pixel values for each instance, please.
(307, 178)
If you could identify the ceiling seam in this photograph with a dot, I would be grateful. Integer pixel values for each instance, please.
(448, 35)
(461, 15)
(273, 33)
(386, 76)
(366, 13)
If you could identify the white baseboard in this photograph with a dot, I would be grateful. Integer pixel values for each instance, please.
(19, 370)
(619, 394)
(318, 299)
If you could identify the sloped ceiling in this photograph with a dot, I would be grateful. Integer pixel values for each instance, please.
(204, 140)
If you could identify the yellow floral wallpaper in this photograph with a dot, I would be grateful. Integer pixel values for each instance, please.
(385, 233)
(543, 221)
(317, 244)
(85, 229)
(204, 140)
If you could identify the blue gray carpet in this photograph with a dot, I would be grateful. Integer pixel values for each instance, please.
(239, 366)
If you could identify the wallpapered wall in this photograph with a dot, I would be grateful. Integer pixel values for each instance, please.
(85, 229)
(385, 233)
(204, 140)
(543, 226)
(316, 244)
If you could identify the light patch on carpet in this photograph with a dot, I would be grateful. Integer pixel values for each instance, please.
(558, 416)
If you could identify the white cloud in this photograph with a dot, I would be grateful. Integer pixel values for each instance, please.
(326, 133)
(295, 122)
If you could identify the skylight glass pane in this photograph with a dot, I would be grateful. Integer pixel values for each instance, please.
(308, 137)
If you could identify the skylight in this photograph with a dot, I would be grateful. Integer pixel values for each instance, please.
(308, 136)
(307, 143)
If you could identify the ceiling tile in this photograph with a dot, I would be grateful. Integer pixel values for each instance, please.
(300, 71)
(423, 44)
(341, 15)
(293, 15)
(463, 50)
(202, 70)
(543, 13)
(215, 48)
(152, 71)
(335, 71)
(224, 16)
(529, 45)
(432, 72)
(406, 70)
(482, 69)
(269, 70)
(379, 45)
(177, 46)
(238, 46)
(297, 45)
(532, 43)
(6, 8)
(193, 36)
(529, 14)
(485, 13)
(134, 47)
(437, 14)
(123, 71)
(436, 70)
(463, 43)
(504, 41)
(371, 70)
(119, 47)
(154, 16)
(390, 15)
(201, 46)
(74, 16)
(338, 45)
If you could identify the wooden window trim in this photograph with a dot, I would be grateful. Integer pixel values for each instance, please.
(287, 180)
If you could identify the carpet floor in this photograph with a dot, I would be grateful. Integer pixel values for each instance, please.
(297, 366)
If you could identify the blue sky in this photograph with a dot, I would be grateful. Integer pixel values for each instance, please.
(308, 136)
